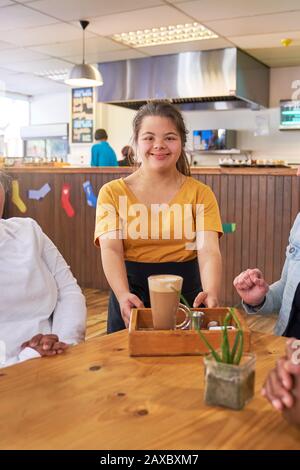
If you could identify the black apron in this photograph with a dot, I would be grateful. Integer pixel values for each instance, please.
(138, 273)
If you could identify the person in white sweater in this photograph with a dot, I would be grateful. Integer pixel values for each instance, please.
(42, 309)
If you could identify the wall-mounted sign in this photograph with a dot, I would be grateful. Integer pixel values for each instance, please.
(82, 115)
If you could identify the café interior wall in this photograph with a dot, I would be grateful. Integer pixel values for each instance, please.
(50, 109)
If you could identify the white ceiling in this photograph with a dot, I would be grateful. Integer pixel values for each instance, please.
(38, 36)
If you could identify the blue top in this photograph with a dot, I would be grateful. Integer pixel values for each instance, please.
(103, 155)
(282, 293)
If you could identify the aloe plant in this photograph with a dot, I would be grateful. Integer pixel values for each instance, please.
(227, 355)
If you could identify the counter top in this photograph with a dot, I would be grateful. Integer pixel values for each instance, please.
(205, 170)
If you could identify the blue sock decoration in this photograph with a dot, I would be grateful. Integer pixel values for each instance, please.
(90, 196)
(39, 193)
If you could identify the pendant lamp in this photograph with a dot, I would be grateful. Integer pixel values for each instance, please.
(84, 75)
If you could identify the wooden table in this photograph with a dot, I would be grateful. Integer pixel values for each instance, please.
(97, 397)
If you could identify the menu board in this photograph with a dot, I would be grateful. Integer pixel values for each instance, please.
(82, 115)
(289, 114)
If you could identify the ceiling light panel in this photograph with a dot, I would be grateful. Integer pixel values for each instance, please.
(165, 35)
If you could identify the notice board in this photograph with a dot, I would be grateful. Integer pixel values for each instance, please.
(82, 115)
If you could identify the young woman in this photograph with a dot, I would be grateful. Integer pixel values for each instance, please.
(158, 220)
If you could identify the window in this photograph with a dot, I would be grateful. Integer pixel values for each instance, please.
(14, 113)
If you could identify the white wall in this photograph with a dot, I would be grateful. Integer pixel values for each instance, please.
(50, 109)
(118, 122)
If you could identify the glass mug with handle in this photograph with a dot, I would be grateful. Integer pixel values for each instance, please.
(164, 290)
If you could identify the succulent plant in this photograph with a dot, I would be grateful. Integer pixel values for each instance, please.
(226, 355)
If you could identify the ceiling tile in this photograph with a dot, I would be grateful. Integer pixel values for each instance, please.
(29, 84)
(265, 40)
(5, 45)
(58, 32)
(282, 62)
(186, 47)
(18, 16)
(19, 55)
(216, 9)
(109, 56)
(70, 10)
(257, 25)
(140, 19)
(93, 46)
(39, 66)
(276, 53)
(4, 3)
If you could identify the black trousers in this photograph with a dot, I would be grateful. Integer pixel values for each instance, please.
(138, 273)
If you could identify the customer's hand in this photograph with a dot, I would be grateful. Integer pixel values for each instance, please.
(251, 286)
(280, 381)
(209, 300)
(128, 301)
(46, 345)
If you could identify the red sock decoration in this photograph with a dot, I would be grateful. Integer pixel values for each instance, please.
(65, 200)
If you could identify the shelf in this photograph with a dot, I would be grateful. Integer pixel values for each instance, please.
(221, 152)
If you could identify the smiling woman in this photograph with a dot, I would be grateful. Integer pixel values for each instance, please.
(160, 190)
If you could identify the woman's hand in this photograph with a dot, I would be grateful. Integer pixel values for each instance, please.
(251, 286)
(128, 301)
(46, 345)
(207, 299)
(280, 381)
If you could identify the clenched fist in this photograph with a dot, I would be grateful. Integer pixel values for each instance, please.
(251, 286)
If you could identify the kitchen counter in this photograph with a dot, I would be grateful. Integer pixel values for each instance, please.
(262, 202)
(212, 170)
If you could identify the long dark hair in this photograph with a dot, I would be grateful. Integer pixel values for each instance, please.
(167, 110)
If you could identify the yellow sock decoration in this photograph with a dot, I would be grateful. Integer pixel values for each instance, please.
(16, 197)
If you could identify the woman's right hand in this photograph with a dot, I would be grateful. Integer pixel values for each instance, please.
(251, 286)
(128, 301)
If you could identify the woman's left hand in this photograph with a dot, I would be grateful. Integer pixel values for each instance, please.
(209, 300)
(46, 345)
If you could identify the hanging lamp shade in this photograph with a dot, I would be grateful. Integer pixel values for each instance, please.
(84, 75)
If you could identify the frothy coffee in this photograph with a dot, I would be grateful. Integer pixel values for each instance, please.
(164, 292)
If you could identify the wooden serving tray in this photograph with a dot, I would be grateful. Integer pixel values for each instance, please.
(145, 341)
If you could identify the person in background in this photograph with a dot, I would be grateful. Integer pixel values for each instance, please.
(282, 386)
(282, 296)
(132, 248)
(128, 155)
(42, 309)
(102, 152)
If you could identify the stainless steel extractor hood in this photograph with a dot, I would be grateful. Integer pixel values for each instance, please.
(216, 79)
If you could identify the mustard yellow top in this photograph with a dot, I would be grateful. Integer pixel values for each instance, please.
(162, 232)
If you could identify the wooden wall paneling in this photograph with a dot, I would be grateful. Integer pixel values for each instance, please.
(261, 232)
(223, 204)
(278, 218)
(209, 180)
(270, 229)
(295, 204)
(253, 222)
(246, 227)
(230, 240)
(237, 235)
(93, 273)
(286, 216)
(262, 206)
